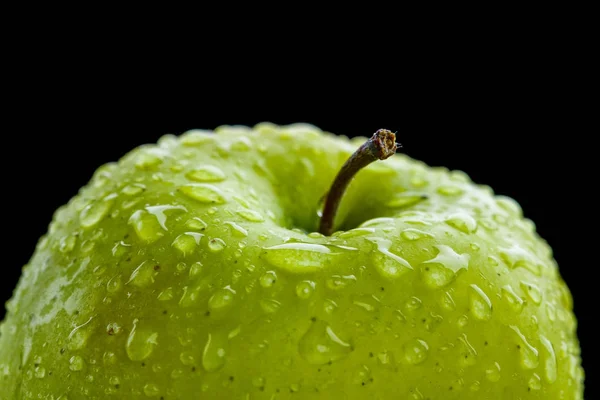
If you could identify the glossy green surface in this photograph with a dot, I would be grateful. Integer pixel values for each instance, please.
(184, 271)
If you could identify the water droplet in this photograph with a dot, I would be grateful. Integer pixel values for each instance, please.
(143, 275)
(355, 233)
(140, 343)
(250, 215)
(386, 359)
(76, 363)
(95, 212)
(196, 224)
(299, 257)
(337, 282)
(329, 306)
(109, 358)
(405, 200)
(492, 373)
(268, 279)
(447, 302)
(206, 173)
(412, 304)
(412, 234)
(39, 372)
(305, 289)
(133, 189)
(113, 329)
(203, 193)
(215, 245)
(79, 336)
(166, 294)
(67, 244)
(146, 226)
(237, 230)
(549, 357)
(368, 303)
(463, 222)
(529, 354)
(321, 345)
(187, 358)
(481, 306)
(513, 300)
(532, 291)
(215, 350)
(191, 294)
(415, 351)
(270, 306)
(187, 242)
(222, 299)
(442, 270)
(388, 264)
(517, 257)
(151, 390)
(450, 190)
(535, 383)
(462, 321)
(148, 159)
(196, 269)
(468, 354)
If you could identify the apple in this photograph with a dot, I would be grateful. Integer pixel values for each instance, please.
(193, 269)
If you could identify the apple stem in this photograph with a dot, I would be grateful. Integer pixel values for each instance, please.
(380, 146)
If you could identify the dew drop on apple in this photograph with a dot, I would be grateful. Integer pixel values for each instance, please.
(215, 245)
(441, 270)
(196, 224)
(221, 299)
(493, 372)
(468, 354)
(95, 212)
(532, 291)
(320, 344)
(329, 306)
(480, 304)
(535, 383)
(412, 234)
(166, 294)
(404, 200)
(462, 222)
(76, 363)
(512, 299)
(529, 357)
(450, 190)
(215, 351)
(140, 343)
(113, 329)
(187, 242)
(187, 358)
(354, 233)
(79, 336)
(148, 159)
(462, 321)
(269, 306)
(67, 244)
(299, 257)
(388, 264)
(109, 358)
(151, 390)
(337, 282)
(146, 226)
(415, 351)
(305, 289)
(549, 357)
(203, 192)
(206, 173)
(447, 302)
(250, 215)
(39, 372)
(143, 275)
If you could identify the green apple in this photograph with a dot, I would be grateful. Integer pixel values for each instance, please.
(191, 269)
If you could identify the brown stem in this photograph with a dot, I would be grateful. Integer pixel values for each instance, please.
(379, 147)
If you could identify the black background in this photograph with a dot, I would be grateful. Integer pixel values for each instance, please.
(520, 128)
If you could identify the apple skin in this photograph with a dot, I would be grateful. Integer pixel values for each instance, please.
(184, 271)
